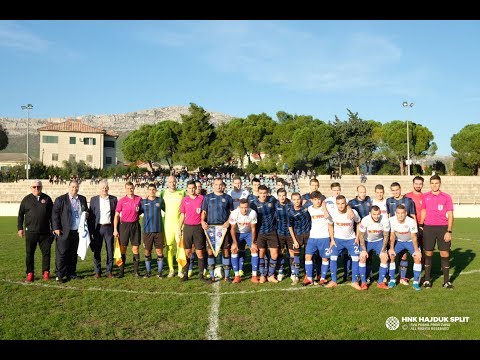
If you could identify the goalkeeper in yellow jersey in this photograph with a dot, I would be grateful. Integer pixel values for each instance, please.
(172, 198)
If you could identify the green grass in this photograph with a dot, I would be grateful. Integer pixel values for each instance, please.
(131, 308)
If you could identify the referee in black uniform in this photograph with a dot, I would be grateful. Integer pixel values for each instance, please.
(35, 213)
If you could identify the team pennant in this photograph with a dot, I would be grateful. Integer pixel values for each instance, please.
(215, 235)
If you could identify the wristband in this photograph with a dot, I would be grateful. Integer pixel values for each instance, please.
(449, 231)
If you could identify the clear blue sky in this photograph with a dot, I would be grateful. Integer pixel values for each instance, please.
(318, 68)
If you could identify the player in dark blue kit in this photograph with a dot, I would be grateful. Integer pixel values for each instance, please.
(299, 224)
(265, 206)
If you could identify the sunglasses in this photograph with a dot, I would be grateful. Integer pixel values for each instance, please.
(36, 187)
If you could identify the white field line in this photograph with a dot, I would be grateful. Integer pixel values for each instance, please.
(213, 317)
(215, 293)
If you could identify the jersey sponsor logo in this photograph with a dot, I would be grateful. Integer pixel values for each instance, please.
(375, 231)
(343, 224)
(403, 232)
(317, 217)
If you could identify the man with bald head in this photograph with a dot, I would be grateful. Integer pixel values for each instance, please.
(172, 198)
(35, 213)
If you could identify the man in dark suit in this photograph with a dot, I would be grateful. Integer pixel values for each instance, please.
(102, 214)
(66, 214)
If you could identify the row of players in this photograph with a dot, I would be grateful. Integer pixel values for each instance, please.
(323, 226)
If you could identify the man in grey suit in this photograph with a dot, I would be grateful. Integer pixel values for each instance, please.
(102, 213)
(66, 213)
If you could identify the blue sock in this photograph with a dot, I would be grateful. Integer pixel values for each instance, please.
(324, 269)
(403, 269)
(333, 268)
(254, 264)
(382, 272)
(391, 273)
(160, 264)
(363, 272)
(241, 259)
(355, 268)
(296, 264)
(211, 265)
(226, 266)
(417, 270)
(272, 266)
(347, 264)
(261, 266)
(148, 263)
(235, 263)
(280, 264)
(309, 269)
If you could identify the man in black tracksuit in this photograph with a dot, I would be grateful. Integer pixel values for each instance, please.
(36, 212)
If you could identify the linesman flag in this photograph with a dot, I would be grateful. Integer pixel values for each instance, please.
(181, 256)
(215, 235)
(117, 255)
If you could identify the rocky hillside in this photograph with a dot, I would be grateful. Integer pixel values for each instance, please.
(121, 123)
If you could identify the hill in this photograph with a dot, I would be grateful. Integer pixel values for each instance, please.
(121, 123)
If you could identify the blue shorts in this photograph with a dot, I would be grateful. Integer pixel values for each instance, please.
(321, 245)
(244, 239)
(348, 244)
(375, 246)
(404, 245)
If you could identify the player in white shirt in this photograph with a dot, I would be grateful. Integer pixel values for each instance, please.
(331, 204)
(321, 234)
(403, 236)
(243, 222)
(237, 192)
(373, 235)
(344, 238)
(379, 200)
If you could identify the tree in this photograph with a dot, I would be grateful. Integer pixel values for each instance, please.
(355, 142)
(311, 144)
(196, 138)
(466, 144)
(393, 145)
(3, 137)
(152, 143)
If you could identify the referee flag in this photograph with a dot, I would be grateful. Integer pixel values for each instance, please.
(181, 256)
(117, 255)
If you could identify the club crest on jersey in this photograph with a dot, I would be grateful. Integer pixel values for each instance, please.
(157, 205)
(269, 205)
(440, 207)
(43, 201)
(223, 200)
(198, 210)
(137, 209)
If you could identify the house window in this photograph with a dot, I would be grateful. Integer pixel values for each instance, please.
(49, 139)
(90, 141)
(71, 157)
(89, 158)
(108, 160)
(54, 157)
(109, 144)
(73, 140)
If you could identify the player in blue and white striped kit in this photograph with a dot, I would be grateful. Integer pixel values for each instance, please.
(403, 236)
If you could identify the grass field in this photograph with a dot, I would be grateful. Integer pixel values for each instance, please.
(144, 309)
